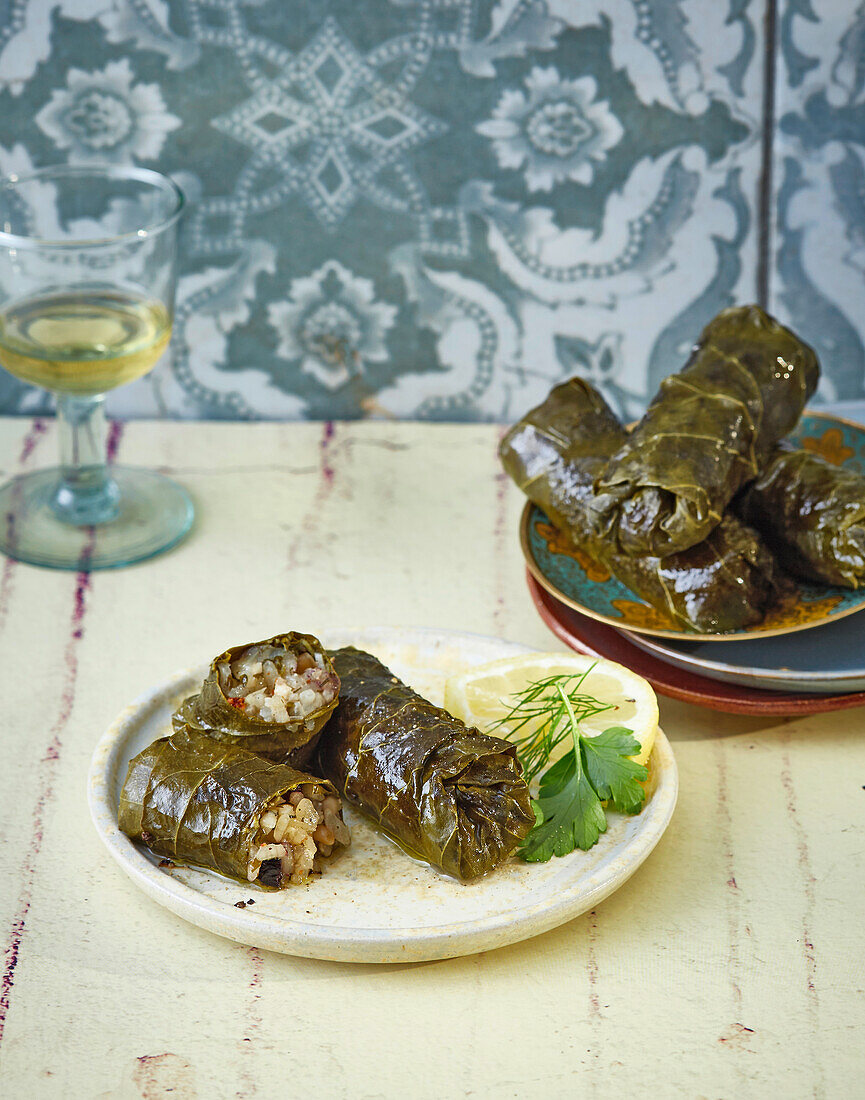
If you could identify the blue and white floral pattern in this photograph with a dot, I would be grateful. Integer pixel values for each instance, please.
(557, 129)
(331, 323)
(103, 117)
(439, 208)
(818, 278)
(332, 125)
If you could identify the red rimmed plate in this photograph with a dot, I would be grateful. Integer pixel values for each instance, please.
(587, 635)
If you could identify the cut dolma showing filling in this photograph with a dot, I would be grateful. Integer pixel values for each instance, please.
(217, 806)
(274, 684)
(812, 514)
(271, 697)
(555, 452)
(447, 793)
(295, 835)
(709, 430)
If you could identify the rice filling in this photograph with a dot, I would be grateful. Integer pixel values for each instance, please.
(275, 685)
(295, 834)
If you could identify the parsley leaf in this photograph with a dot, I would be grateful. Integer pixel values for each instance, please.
(572, 813)
(613, 775)
(568, 810)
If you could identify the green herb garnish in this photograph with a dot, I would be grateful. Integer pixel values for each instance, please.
(547, 707)
(594, 770)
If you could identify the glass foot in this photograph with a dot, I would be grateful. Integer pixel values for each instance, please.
(153, 514)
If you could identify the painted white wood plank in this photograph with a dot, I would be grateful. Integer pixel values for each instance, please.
(725, 967)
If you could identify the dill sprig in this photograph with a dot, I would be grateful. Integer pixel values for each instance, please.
(552, 709)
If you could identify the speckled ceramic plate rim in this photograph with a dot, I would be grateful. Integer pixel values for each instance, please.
(362, 944)
(787, 677)
(677, 635)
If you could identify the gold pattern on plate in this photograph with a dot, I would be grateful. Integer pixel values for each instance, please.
(795, 614)
(559, 543)
(830, 446)
(638, 616)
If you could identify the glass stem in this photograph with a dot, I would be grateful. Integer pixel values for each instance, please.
(86, 493)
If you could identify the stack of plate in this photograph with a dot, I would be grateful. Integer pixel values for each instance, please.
(810, 658)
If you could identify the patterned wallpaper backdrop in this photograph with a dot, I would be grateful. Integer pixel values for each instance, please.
(439, 208)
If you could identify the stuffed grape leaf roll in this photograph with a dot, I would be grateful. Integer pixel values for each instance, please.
(709, 430)
(217, 806)
(812, 515)
(554, 454)
(269, 697)
(445, 792)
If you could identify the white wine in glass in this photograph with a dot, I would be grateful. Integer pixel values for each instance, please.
(88, 267)
(83, 342)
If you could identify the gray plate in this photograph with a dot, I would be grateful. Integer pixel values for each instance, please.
(827, 660)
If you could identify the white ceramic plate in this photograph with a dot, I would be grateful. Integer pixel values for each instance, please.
(375, 904)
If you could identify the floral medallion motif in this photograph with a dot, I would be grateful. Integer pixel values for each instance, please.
(558, 129)
(332, 324)
(102, 116)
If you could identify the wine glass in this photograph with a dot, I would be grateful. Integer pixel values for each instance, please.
(88, 266)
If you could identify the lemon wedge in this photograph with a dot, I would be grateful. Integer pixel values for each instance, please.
(485, 694)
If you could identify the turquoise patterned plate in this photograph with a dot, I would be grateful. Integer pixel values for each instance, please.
(586, 587)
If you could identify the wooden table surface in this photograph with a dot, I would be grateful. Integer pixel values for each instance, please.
(730, 965)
